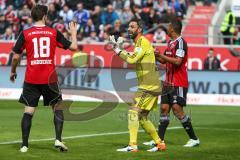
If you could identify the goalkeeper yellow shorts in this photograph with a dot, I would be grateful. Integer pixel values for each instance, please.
(145, 100)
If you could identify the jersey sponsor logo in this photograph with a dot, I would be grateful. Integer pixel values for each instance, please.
(168, 53)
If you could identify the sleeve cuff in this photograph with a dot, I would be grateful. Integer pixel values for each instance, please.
(117, 50)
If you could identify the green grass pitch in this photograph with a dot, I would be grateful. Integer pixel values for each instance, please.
(217, 127)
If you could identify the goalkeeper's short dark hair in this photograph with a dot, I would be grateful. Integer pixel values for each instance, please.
(38, 12)
(177, 26)
(139, 22)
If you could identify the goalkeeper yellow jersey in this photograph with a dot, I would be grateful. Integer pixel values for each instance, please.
(145, 64)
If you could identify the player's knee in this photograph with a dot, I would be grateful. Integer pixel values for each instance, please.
(164, 109)
(29, 110)
(133, 115)
(133, 118)
(57, 106)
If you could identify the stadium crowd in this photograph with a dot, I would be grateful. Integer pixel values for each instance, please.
(97, 19)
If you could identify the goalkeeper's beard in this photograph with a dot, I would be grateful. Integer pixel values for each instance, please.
(133, 35)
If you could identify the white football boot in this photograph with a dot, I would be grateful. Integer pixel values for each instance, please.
(23, 149)
(192, 143)
(61, 146)
(128, 149)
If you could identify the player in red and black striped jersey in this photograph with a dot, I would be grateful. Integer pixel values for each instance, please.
(40, 42)
(176, 84)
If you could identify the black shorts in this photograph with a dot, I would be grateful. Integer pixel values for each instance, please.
(176, 95)
(32, 92)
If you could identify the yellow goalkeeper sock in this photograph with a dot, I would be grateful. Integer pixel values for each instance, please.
(133, 125)
(150, 129)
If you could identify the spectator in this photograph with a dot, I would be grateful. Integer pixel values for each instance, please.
(81, 15)
(126, 16)
(160, 6)
(228, 26)
(59, 25)
(109, 17)
(160, 35)
(52, 13)
(16, 27)
(3, 24)
(25, 13)
(44, 2)
(154, 18)
(149, 4)
(102, 3)
(212, 62)
(236, 38)
(96, 16)
(167, 17)
(90, 27)
(8, 35)
(92, 38)
(118, 6)
(28, 24)
(66, 14)
(2, 4)
(117, 29)
(10, 14)
(58, 4)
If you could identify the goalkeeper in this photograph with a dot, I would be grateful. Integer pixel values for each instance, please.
(148, 85)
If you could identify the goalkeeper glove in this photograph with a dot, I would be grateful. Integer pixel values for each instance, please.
(116, 45)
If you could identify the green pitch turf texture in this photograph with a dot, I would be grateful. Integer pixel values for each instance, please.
(218, 128)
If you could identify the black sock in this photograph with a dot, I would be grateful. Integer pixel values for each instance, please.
(58, 123)
(164, 121)
(187, 125)
(26, 126)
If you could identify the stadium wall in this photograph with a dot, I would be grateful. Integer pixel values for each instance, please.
(95, 84)
(100, 56)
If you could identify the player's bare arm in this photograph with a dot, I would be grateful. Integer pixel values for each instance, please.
(173, 60)
(73, 31)
(159, 59)
(15, 60)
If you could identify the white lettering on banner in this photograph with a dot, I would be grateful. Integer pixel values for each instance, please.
(4, 56)
(36, 62)
(195, 60)
(99, 59)
(65, 59)
(223, 62)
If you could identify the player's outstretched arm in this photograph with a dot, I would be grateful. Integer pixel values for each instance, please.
(73, 31)
(15, 60)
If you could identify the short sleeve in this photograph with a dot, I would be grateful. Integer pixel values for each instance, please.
(62, 42)
(180, 52)
(20, 44)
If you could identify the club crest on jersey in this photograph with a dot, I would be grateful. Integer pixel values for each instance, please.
(137, 49)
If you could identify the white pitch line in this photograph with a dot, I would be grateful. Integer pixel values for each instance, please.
(79, 136)
(110, 133)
